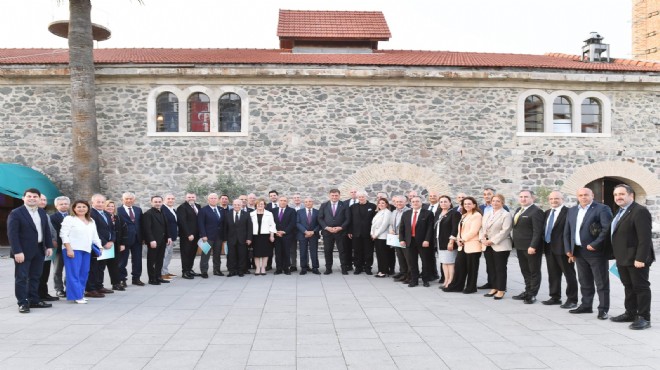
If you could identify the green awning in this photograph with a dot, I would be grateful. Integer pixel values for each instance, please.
(15, 179)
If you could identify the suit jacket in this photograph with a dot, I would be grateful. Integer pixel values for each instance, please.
(105, 229)
(597, 220)
(423, 227)
(238, 232)
(437, 208)
(380, 224)
(446, 227)
(528, 231)
(22, 233)
(361, 217)
(120, 230)
(187, 220)
(56, 220)
(270, 206)
(267, 223)
(172, 222)
(133, 232)
(632, 237)
(302, 225)
(154, 227)
(468, 231)
(496, 226)
(287, 223)
(341, 218)
(557, 234)
(210, 224)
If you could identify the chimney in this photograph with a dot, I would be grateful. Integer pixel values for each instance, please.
(594, 48)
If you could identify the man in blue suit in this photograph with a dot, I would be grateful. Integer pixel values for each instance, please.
(308, 236)
(285, 223)
(211, 224)
(30, 240)
(334, 219)
(132, 217)
(108, 236)
(585, 235)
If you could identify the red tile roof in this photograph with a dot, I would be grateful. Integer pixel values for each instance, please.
(332, 25)
(284, 57)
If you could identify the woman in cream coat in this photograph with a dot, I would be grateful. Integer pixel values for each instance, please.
(495, 237)
(263, 228)
(468, 240)
(379, 229)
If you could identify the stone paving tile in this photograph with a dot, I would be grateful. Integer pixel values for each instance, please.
(174, 360)
(430, 362)
(322, 363)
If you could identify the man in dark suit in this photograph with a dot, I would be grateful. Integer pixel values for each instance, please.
(555, 257)
(211, 224)
(132, 217)
(486, 207)
(585, 236)
(359, 231)
(527, 238)
(45, 274)
(154, 228)
(106, 231)
(285, 223)
(239, 235)
(349, 251)
(62, 205)
(172, 232)
(188, 234)
(308, 236)
(334, 219)
(270, 206)
(30, 240)
(416, 235)
(632, 245)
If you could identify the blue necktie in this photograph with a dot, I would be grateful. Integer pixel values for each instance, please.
(215, 210)
(616, 220)
(548, 230)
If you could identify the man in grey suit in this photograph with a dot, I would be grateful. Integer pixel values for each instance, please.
(527, 237)
(334, 219)
(585, 236)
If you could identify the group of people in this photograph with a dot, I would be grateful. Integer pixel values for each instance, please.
(254, 233)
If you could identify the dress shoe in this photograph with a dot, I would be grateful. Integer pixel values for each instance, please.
(303, 271)
(277, 272)
(368, 272)
(61, 294)
(171, 275)
(24, 308)
(163, 281)
(405, 281)
(204, 275)
(602, 315)
(94, 294)
(552, 301)
(218, 273)
(137, 282)
(530, 299)
(380, 275)
(520, 297)
(396, 276)
(105, 291)
(80, 301)
(234, 274)
(327, 272)
(344, 272)
(426, 284)
(118, 287)
(187, 276)
(569, 305)
(485, 286)
(40, 304)
(624, 317)
(293, 269)
(497, 298)
(123, 284)
(287, 272)
(165, 277)
(193, 273)
(154, 282)
(49, 298)
(490, 294)
(241, 275)
(640, 324)
(413, 284)
(357, 272)
(581, 309)
(316, 272)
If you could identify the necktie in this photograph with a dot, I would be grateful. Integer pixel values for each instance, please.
(236, 217)
(414, 223)
(616, 220)
(548, 229)
(64, 214)
(432, 209)
(194, 207)
(309, 217)
(103, 215)
(281, 213)
(334, 209)
(215, 210)
(131, 214)
(515, 219)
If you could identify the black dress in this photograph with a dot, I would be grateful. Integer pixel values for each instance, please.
(261, 244)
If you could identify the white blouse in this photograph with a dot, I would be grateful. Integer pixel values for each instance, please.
(78, 235)
(380, 223)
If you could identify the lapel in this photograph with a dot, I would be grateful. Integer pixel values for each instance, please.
(26, 214)
(587, 215)
(623, 216)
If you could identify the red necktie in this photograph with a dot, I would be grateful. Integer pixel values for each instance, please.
(414, 223)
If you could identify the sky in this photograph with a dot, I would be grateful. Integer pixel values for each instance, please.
(501, 26)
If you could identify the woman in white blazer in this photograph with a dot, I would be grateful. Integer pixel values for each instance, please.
(78, 233)
(495, 237)
(380, 225)
(264, 235)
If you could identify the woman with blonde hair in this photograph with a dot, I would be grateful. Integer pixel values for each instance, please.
(468, 240)
(264, 231)
(495, 237)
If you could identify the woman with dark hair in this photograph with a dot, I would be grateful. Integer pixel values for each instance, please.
(78, 234)
(446, 229)
(495, 237)
(468, 240)
(379, 229)
(264, 230)
(120, 245)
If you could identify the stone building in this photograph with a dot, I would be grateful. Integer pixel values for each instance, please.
(646, 29)
(330, 109)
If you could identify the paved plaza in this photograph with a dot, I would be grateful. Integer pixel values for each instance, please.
(315, 322)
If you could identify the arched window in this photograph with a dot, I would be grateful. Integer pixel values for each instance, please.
(591, 116)
(167, 112)
(561, 115)
(533, 114)
(229, 111)
(199, 114)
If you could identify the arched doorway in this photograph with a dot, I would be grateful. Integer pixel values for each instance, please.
(603, 189)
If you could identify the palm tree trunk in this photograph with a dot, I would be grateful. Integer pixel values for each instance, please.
(85, 166)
